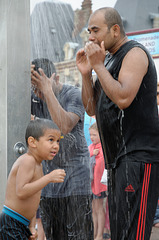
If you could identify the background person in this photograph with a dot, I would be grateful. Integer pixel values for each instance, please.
(124, 101)
(65, 208)
(98, 189)
(88, 121)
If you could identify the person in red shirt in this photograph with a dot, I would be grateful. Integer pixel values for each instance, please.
(98, 189)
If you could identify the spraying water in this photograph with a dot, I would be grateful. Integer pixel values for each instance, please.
(65, 208)
(52, 23)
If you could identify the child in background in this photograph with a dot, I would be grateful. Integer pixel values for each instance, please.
(106, 234)
(26, 179)
(88, 121)
(98, 189)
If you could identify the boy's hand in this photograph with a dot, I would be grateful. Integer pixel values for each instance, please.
(34, 233)
(57, 175)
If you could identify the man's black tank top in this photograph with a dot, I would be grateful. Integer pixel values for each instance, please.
(135, 130)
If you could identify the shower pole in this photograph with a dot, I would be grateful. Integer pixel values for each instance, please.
(14, 82)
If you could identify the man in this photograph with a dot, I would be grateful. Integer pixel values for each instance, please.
(66, 207)
(123, 99)
(156, 218)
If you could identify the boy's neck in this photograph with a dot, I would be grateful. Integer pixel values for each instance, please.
(34, 155)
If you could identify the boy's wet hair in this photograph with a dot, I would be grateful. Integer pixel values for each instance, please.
(47, 66)
(36, 128)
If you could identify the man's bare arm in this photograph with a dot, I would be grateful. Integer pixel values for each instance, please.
(87, 82)
(88, 97)
(66, 121)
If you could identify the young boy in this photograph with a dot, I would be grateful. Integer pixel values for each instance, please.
(26, 179)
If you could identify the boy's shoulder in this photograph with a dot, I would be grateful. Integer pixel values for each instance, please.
(25, 158)
(24, 162)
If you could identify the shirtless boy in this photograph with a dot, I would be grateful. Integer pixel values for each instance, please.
(26, 179)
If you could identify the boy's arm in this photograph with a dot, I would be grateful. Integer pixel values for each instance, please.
(32, 228)
(26, 186)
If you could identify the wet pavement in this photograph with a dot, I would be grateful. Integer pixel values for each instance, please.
(155, 234)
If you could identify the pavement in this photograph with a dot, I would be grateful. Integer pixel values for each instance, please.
(155, 234)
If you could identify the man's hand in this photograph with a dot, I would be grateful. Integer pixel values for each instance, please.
(41, 81)
(32, 68)
(95, 53)
(82, 62)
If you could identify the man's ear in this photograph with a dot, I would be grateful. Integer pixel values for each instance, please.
(116, 29)
(31, 142)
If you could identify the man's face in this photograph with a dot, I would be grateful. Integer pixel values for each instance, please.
(98, 30)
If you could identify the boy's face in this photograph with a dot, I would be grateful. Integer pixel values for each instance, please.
(48, 144)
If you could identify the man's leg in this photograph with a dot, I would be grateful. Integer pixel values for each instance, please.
(53, 216)
(132, 199)
(79, 218)
(152, 198)
(45, 213)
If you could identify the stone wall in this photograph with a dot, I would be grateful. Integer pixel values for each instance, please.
(69, 73)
